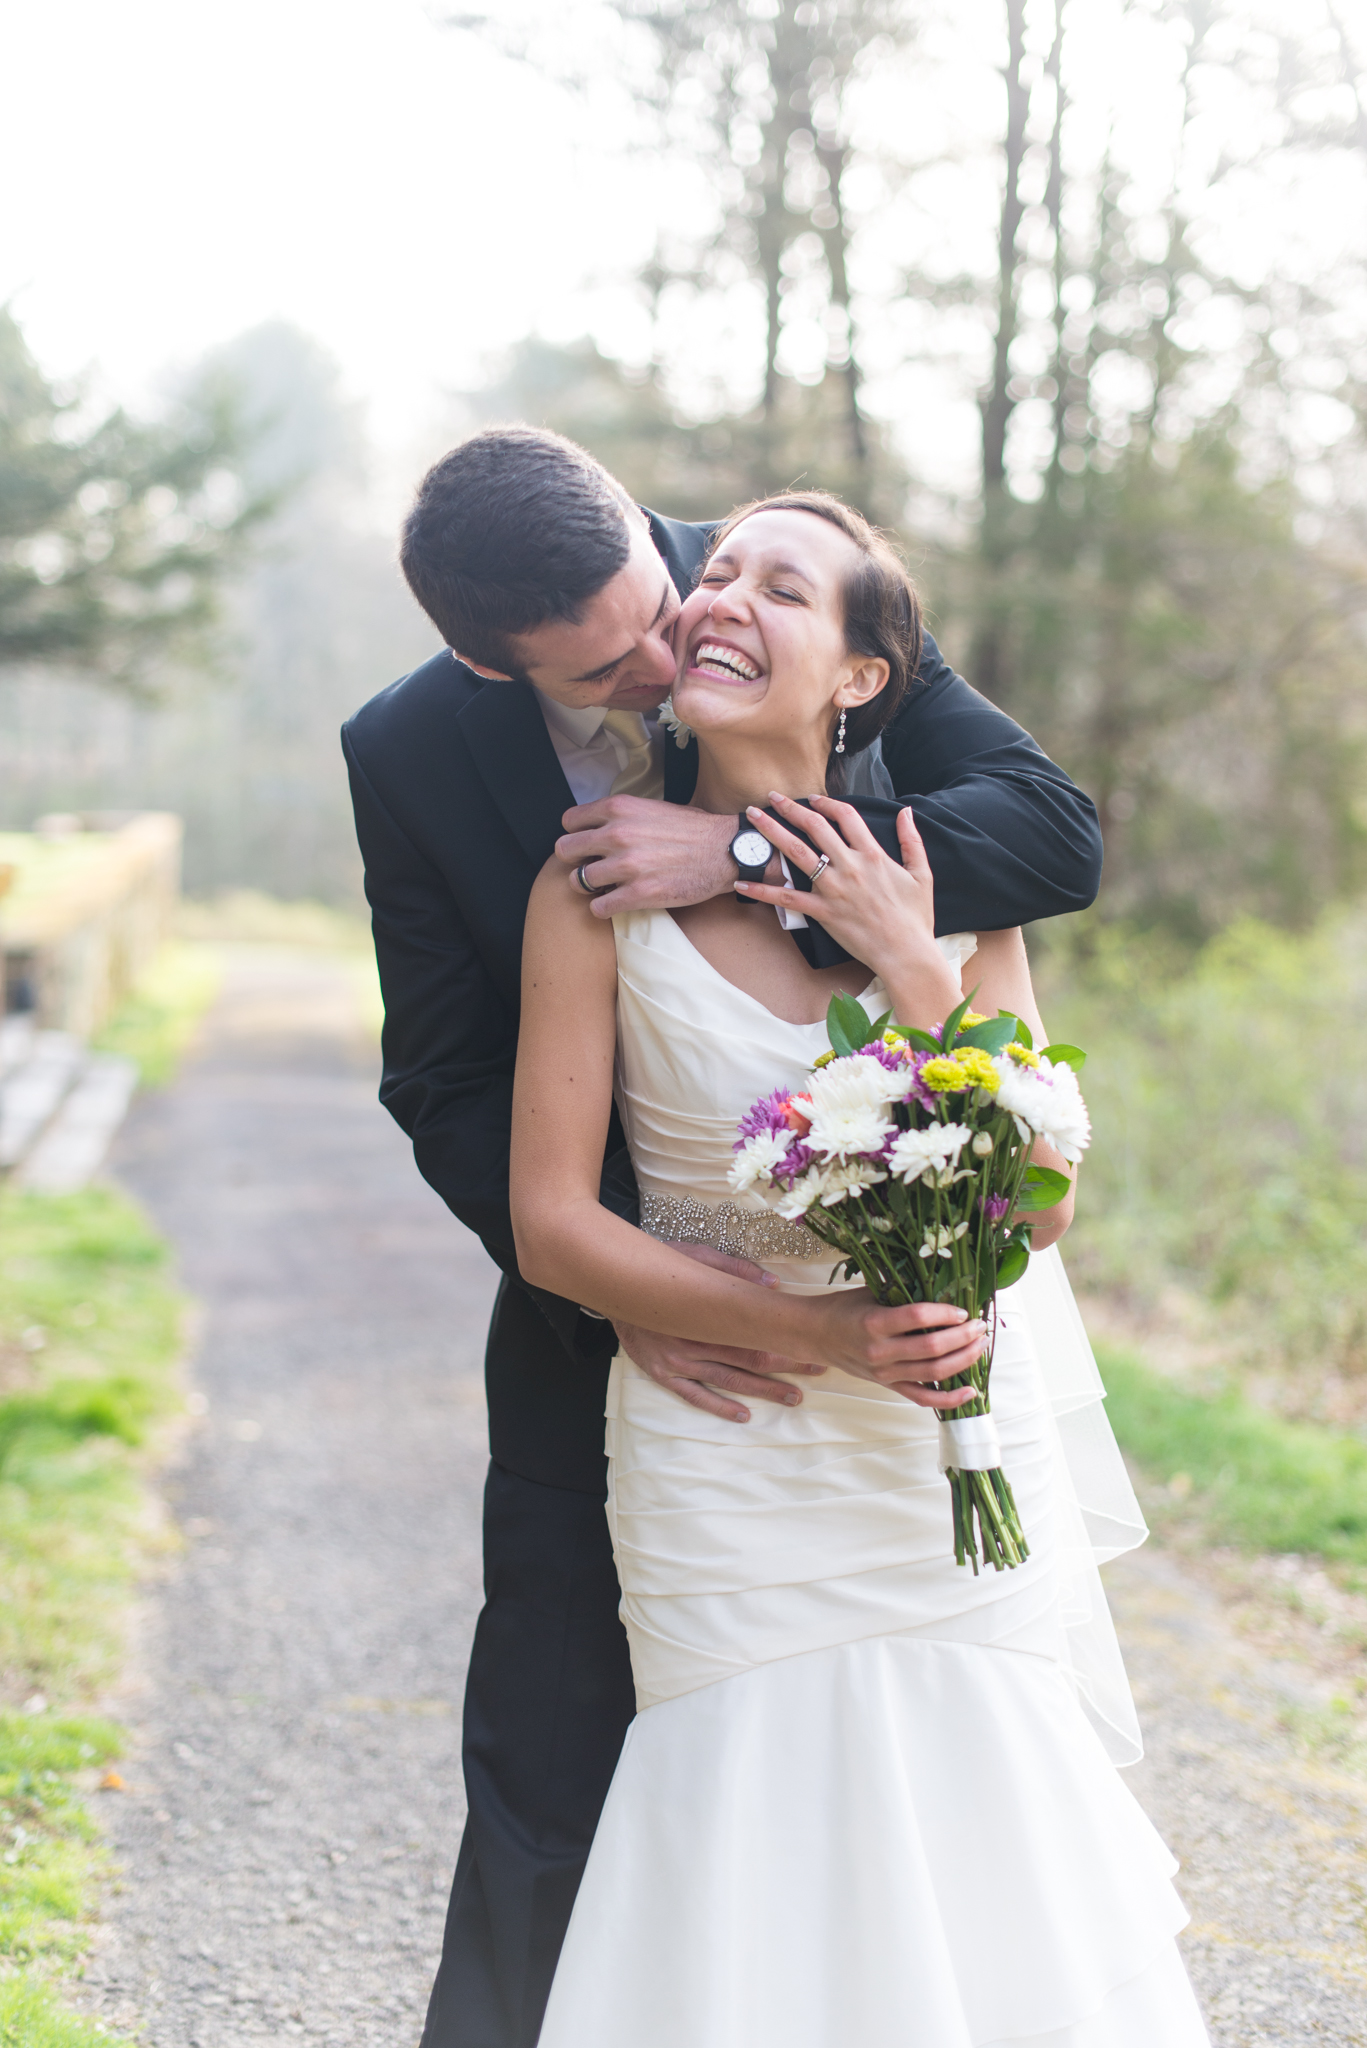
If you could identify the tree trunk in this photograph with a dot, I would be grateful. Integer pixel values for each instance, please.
(997, 403)
(836, 241)
(1053, 200)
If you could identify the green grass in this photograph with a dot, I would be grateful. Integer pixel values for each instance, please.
(90, 1333)
(155, 1024)
(1230, 1132)
(1255, 1480)
(31, 2018)
(51, 1847)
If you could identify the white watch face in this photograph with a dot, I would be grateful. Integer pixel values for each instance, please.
(751, 849)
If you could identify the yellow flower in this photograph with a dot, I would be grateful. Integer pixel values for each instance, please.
(945, 1075)
(1022, 1054)
(894, 1040)
(823, 1059)
(971, 1017)
(977, 1064)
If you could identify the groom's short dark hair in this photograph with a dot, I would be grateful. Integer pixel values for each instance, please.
(515, 526)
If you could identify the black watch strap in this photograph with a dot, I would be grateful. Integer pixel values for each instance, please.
(748, 871)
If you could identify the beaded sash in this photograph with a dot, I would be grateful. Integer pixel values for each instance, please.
(744, 1233)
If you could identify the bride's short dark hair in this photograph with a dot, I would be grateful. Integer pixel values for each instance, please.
(882, 611)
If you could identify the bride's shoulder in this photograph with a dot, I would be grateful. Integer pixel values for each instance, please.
(560, 921)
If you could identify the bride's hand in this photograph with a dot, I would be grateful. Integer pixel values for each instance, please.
(901, 1348)
(879, 912)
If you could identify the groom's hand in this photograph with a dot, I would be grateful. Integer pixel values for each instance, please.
(648, 855)
(706, 1375)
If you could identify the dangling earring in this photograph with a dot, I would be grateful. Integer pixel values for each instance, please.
(840, 735)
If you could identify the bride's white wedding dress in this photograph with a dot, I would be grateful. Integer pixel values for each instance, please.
(869, 1801)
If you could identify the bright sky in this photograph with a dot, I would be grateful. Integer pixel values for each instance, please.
(178, 170)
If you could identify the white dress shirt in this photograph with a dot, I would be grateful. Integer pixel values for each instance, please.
(592, 759)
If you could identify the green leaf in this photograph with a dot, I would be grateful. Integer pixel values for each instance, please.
(922, 1040)
(1065, 1056)
(1012, 1263)
(847, 1024)
(992, 1036)
(953, 1021)
(1024, 1035)
(880, 1024)
(1044, 1187)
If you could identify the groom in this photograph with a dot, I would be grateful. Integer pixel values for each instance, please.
(530, 734)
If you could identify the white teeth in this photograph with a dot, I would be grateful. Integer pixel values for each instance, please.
(726, 658)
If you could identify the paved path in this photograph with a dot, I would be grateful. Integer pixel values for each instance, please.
(295, 1802)
(288, 1841)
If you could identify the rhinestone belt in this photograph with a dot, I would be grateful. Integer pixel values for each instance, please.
(744, 1233)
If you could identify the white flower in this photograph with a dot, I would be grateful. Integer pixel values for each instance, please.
(1065, 1122)
(982, 1144)
(849, 1098)
(804, 1194)
(839, 1183)
(670, 718)
(1047, 1103)
(939, 1243)
(932, 1152)
(858, 1077)
(754, 1164)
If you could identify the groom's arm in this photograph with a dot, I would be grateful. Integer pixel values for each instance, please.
(1010, 837)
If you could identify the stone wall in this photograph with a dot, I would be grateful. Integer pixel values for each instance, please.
(90, 899)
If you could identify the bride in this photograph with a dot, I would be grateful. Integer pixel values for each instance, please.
(868, 1798)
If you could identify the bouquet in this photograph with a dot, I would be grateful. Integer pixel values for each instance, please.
(909, 1154)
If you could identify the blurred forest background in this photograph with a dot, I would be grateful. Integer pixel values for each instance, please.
(1072, 296)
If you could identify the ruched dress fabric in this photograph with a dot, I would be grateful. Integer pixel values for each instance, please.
(868, 1798)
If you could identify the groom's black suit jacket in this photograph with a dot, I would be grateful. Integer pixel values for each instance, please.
(458, 796)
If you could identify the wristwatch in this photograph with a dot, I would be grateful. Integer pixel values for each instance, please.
(751, 852)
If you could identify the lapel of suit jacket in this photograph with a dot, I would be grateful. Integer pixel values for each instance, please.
(507, 736)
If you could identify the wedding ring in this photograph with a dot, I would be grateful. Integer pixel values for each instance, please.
(819, 870)
(587, 885)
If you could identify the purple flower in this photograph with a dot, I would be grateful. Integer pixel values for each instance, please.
(994, 1207)
(916, 1091)
(886, 1055)
(798, 1158)
(768, 1115)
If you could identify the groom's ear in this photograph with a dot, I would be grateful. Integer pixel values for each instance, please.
(491, 675)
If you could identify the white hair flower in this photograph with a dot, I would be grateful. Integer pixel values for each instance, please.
(670, 719)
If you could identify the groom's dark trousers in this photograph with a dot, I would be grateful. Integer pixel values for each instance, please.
(458, 797)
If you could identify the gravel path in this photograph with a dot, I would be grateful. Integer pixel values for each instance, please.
(294, 1803)
(1273, 1845)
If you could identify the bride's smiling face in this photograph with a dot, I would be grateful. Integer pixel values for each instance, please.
(761, 641)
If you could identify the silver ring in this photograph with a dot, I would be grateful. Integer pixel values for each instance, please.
(819, 870)
(587, 886)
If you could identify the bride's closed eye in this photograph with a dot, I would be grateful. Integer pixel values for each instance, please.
(775, 590)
